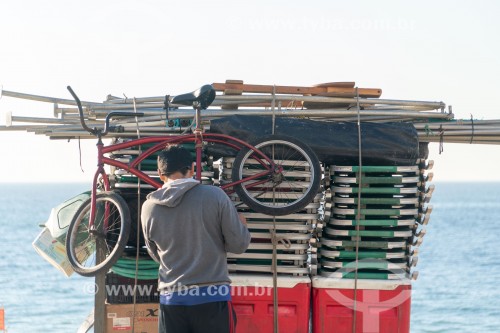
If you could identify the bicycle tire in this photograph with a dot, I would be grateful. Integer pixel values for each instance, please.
(81, 243)
(301, 176)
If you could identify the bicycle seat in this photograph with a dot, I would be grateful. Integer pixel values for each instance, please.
(204, 96)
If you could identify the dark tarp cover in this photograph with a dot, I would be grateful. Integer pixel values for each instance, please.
(335, 143)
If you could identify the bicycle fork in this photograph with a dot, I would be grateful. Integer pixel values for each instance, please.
(93, 203)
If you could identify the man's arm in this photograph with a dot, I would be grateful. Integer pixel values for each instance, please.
(234, 229)
(152, 250)
(150, 245)
(243, 219)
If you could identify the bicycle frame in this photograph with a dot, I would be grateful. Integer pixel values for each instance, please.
(198, 138)
(265, 186)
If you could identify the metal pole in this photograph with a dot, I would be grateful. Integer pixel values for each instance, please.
(327, 113)
(241, 99)
(479, 139)
(39, 120)
(42, 98)
(238, 98)
(477, 132)
(100, 294)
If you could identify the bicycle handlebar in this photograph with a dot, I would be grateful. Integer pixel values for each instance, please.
(96, 131)
(80, 111)
(121, 114)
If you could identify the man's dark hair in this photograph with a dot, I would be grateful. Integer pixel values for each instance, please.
(174, 158)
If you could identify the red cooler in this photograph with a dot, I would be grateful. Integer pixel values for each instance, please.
(381, 306)
(253, 302)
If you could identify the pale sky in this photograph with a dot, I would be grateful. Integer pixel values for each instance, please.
(427, 50)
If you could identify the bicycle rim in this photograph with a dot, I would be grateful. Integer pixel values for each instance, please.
(109, 233)
(281, 193)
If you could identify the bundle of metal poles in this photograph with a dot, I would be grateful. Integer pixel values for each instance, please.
(325, 102)
(460, 131)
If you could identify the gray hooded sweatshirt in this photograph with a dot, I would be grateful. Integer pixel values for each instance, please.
(188, 228)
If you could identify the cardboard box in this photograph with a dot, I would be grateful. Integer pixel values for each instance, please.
(120, 317)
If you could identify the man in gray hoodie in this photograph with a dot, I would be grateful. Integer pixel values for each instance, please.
(188, 228)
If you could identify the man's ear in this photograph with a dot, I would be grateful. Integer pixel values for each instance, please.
(192, 169)
(163, 178)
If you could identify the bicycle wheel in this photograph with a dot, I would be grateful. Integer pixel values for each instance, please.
(290, 188)
(110, 233)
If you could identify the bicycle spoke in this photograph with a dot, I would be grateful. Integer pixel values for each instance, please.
(85, 240)
(294, 181)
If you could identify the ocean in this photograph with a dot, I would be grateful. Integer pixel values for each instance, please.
(457, 289)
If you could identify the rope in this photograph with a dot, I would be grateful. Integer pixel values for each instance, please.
(472, 136)
(189, 128)
(441, 139)
(148, 269)
(130, 273)
(273, 107)
(166, 106)
(137, 123)
(80, 154)
(428, 130)
(358, 214)
(127, 262)
(138, 226)
(275, 239)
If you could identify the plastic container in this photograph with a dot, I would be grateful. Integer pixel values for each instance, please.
(381, 306)
(61, 216)
(53, 251)
(253, 302)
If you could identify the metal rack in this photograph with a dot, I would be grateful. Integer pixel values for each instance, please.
(335, 101)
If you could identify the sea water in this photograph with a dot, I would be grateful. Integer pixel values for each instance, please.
(457, 289)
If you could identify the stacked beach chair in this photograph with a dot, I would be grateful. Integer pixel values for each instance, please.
(374, 223)
(291, 232)
(288, 236)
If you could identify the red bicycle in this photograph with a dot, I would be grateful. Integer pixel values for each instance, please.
(278, 175)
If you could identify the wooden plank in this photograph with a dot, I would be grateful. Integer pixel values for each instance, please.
(232, 92)
(336, 84)
(268, 89)
(351, 92)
